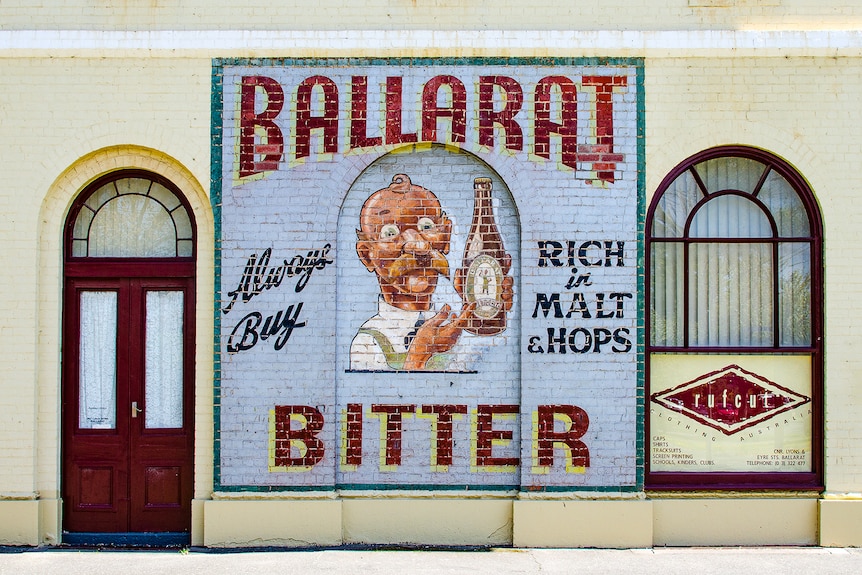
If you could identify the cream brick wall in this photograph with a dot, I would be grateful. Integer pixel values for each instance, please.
(430, 14)
(805, 110)
(65, 120)
(56, 115)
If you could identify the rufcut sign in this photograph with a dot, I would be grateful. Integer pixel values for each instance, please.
(428, 274)
(716, 415)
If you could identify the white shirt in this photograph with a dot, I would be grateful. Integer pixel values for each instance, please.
(382, 341)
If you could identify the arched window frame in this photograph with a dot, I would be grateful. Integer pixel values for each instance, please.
(154, 178)
(812, 480)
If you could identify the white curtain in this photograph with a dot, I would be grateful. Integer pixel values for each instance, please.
(730, 216)
(132, 226)
(97, 375)
(666, 305)
(164, 360)
(132, 217)
(794, 293)
(730, 295)
(731, 285)
(675, 205)
(729, 173)
(786, 208)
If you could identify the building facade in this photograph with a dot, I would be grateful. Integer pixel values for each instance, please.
(430, 273)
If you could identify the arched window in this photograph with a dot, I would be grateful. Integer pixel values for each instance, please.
(131, 214)
(735, 324)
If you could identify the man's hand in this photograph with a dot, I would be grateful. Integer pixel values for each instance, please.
(508, 293)
(435, 336)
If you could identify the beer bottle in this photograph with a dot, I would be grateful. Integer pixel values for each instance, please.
(485, 264)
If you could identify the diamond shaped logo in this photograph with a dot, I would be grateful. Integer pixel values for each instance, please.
(730, 399)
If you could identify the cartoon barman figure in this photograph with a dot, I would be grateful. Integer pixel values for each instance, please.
(403, 239)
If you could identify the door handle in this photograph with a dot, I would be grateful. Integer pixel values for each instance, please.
(135, 410)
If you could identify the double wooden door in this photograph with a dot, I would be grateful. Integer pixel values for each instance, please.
(128, 402)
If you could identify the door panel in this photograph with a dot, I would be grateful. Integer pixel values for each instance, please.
(163, 487)
(95, 448)
(96, 487)
(161, 439)
(128, 346)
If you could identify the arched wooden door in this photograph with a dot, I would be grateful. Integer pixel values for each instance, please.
(128, 348)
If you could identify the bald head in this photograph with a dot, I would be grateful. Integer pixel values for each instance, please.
(403, 237)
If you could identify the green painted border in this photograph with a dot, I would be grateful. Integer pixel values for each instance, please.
(407, 61)
(584, 489)
(364, 486)
(272, 488)
(424, 487)
(216, 102)
(640, 415)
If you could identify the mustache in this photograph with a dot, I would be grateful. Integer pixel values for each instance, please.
(433, 260)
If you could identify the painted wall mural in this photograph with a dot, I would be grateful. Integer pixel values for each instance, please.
(428, 274)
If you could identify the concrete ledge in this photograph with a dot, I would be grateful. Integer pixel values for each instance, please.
(50, 512)
(841, 523)
(428, 521)
(488, 522)
(607, 524)
(198, 526)
(287, 523)
(735, 522)
(19, 522)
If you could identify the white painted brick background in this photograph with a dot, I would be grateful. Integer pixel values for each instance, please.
(294, 209)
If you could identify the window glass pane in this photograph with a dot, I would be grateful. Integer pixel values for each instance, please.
(666, 293)
(132, 226)
(133, 186)
(730, 295)
(97, 376)
(730, 173)
(730, 216)
(132, 217)
(675, 205)
(785, 206)
(79, 248)
(794, 293)
(164, 196)
(100, 196)
(182, 223)
(82, 224)
(164, 360)
(184, 248)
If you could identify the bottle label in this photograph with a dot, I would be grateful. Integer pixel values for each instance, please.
(485, 286)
